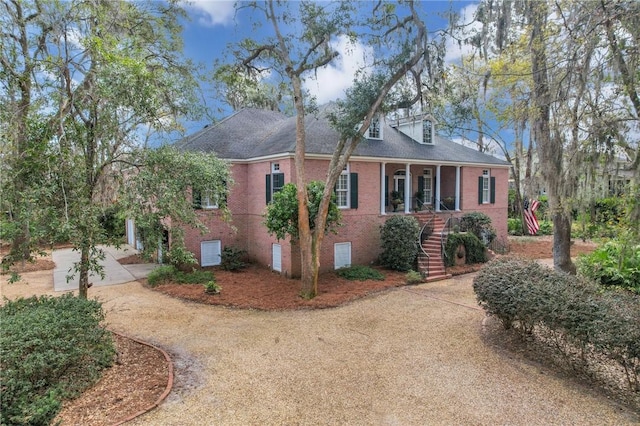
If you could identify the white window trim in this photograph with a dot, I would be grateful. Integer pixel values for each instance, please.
(275, 169)
(347, 190)
(431, 131)
(486, 181)
(207, 200)
(379, 121)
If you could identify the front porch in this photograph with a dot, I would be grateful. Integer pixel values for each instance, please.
(411, 188)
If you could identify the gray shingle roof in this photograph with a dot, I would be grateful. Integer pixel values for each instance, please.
(252, 133)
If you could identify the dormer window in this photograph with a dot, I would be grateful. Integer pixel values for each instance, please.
(427, 132)
(375, 129)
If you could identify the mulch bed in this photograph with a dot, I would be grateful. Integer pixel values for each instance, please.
(135, 382)
(256, 287)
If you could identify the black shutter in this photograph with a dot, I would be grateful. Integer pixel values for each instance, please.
(268, 187)
(420, 189)
(480, 189)
(354, 190)
(196, 199)
(492, 190)
(386, 190)
(433, 192)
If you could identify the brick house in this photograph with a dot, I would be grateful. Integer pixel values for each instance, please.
(260, 147)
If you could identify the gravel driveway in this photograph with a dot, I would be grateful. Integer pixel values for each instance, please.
(412, 356)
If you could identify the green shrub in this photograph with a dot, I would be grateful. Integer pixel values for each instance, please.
(168, 273)
(359, 273)
(478, 224)
(514, 226)
(112, 222)
(194, 277)
(399, 236)
(50, 349)
(543, 208)
(162, 275)
(577, 315)
(546, 227)
(212, 287)
(232, 258)
(181, 258)
(615, 263)
(475, 250)
(414, 277)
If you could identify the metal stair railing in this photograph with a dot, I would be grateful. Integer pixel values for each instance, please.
(425, 233)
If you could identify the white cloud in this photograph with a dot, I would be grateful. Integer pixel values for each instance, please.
(331, 81)
(455, 51)
(212, 12)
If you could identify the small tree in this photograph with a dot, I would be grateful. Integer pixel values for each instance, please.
(400, 247)
(478, 224)
(156, 195)
(281, 217)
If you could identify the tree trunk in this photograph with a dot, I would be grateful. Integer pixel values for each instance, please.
(308, 256)
(550, 151)
(84, 272)
(562, 243)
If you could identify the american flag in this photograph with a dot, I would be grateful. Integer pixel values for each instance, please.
(530, 206)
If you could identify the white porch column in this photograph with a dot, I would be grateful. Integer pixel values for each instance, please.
(382, 191)
(437, 200)
(407, 188)
(457, 188)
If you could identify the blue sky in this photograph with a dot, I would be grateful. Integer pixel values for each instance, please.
(214, 24)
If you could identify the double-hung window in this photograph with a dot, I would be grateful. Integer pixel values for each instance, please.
(486, 191)
(209, 200)
(342, 189)
(274, 181)
(375, 131)
(427, 132)
(486, 188)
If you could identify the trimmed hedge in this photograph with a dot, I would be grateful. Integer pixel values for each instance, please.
(527, 296)
(359, 273)
(51, 348)
(473, 246)
(399, 236)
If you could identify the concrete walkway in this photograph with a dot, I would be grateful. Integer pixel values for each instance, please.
(115, 273)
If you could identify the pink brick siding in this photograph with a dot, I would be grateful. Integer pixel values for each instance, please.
(469, 196)
(361, 226)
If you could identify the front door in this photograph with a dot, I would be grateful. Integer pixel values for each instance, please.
(398, 182)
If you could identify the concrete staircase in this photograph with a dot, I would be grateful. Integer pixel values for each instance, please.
(432, 266)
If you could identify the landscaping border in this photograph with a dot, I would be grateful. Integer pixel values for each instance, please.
(167, 390)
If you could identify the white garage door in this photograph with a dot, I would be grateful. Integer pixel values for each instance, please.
(210, 252)
(341, 255)
(276, 261)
